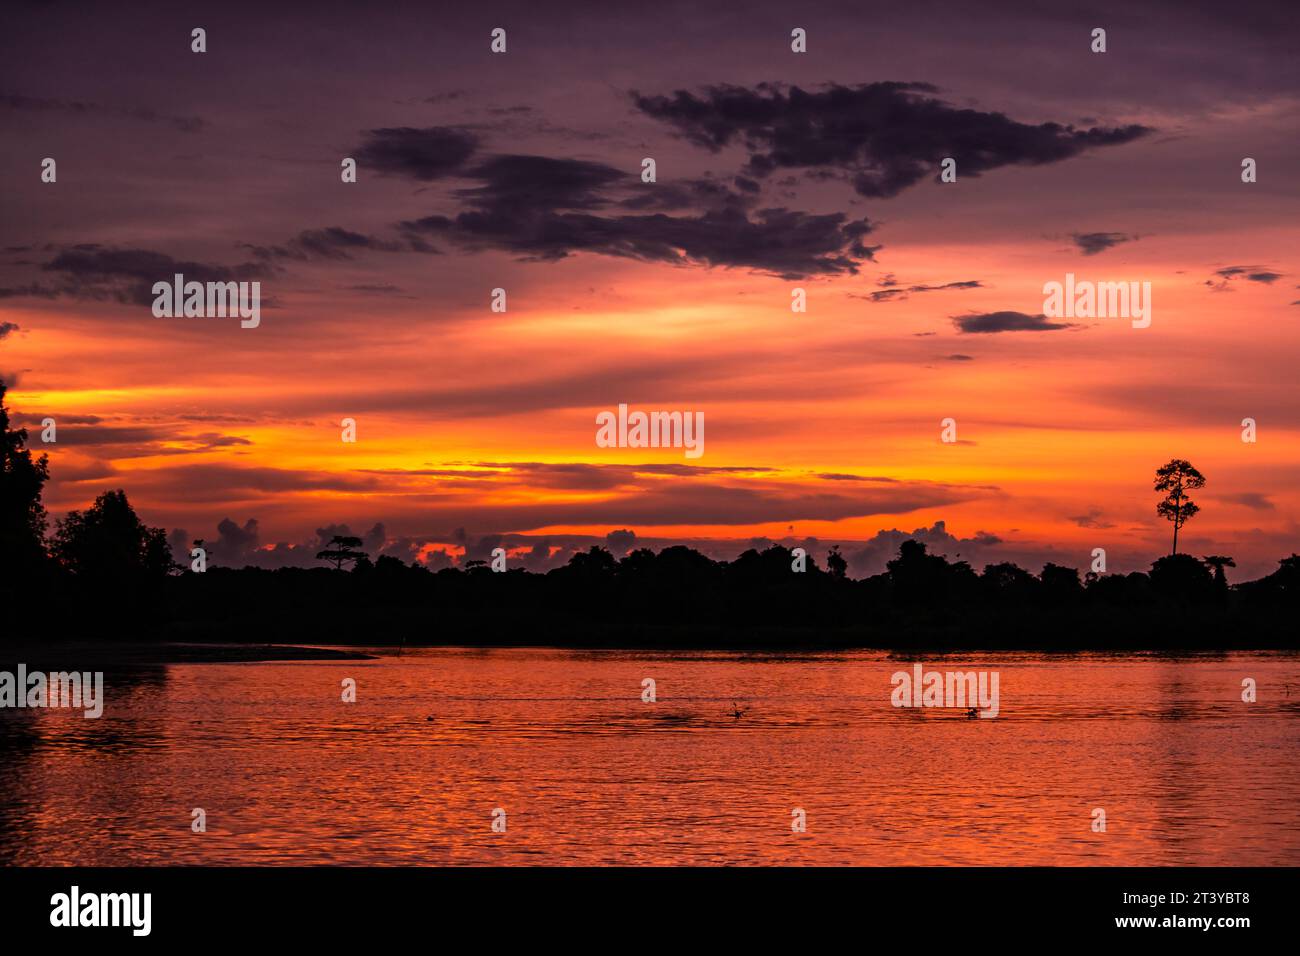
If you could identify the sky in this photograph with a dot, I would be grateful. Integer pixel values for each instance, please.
(774, 171)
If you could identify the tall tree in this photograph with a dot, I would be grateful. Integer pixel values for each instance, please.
(108, 541)
(1175, 479)
(22, 516)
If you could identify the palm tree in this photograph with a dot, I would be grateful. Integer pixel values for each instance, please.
(1216, 563)
(1175, 479)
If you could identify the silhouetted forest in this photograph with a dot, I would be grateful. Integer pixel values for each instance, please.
(102, 573)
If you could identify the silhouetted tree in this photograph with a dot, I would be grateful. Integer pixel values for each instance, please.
(1217, 562)
(919, 578)
(676, 597)
(593, 563)
(1280, 587)
(1008, 582)
(1182, 578)
(1175, 479)
(342, 548)
(1060, 585)
(108, 541)
(22, 516)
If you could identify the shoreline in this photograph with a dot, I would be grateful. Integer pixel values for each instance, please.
(89, 655)
(83, 654)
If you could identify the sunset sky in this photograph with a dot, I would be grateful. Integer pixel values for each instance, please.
(775, 170)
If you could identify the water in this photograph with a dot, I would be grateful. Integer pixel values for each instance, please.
(589, 774)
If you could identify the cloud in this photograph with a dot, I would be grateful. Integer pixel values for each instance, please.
(539, 182)
(6, 328)
(214, 483)
(446, 97)
(546, 209)
(613, 496)
(885, 136)
(898, 294)
(620, 542)
(1255, 500)
(239, 545)
(91, 271)
(875, 553)
(178, 540)
(186, 124)
(333, 243)
(376, 288)
(32, 290)
(706, 192)
(1092, 519)
(420, 154)
(372, 541)
(138, 441)
(1231, 274)
(234, 544)
(1091, 243)
(988, 322)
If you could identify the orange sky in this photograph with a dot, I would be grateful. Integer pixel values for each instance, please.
(824, 424)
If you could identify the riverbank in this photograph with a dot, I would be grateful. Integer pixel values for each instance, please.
(97, 655)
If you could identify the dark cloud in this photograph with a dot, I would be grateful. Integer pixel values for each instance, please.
(872, 556)
(701, 193)
(1255, 500)
(448, 96)
(31, 291)
(1251, 273)
(6, 328)
(372, 541)
(213, 483)
(1091, 243)
(1092, 519)
(240, 545)
(178, 540)
(333, 242)
(841, 476)
(235, 544)
(421, 154)
(542, 208)
(91, 271)
(891, 293)
(540, 182)
(139, 441)
(620, 542)
(33, 419)
(1230, 274)
(886, 136)
(986, 322)
(376, 288)
(186, 124)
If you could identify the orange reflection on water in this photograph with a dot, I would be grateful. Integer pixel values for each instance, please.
(588, 773)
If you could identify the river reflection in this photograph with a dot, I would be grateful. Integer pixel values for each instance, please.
(588, 773)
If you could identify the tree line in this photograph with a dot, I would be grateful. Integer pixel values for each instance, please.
(103, 567)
